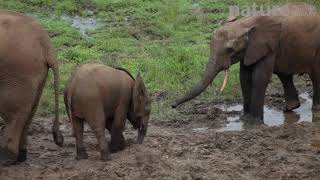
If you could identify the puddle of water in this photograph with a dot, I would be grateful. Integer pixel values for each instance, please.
(305, 110)
(83, 24)
(200, 130)
(234, 124)
(272, 117)
(237, 107)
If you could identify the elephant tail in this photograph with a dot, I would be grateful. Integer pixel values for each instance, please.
(67, 100)
(68, 95)
(53, 64)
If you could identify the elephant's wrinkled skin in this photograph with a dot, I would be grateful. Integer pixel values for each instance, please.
(283, 44)
(26, 55)
(105, 97)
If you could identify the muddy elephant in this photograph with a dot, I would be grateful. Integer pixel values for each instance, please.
(26, 54)
(105, 97)
(281, 44)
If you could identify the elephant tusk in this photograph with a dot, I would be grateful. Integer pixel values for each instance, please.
(226, 74)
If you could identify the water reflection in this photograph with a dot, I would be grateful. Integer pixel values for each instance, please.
(273, 117)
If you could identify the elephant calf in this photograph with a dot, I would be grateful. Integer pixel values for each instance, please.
(105, 97)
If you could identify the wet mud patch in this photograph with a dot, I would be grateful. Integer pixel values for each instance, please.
(287, 151)
(189, 146)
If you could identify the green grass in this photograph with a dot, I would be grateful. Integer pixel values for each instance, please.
(167, 41)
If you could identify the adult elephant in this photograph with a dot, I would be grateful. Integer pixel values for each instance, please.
(26, 55)
(282, 44)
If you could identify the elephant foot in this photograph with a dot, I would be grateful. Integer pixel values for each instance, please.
(248, 119)
(105, 155)
(291, 106)
(244, 117)
(81, 154)
(58, 138)
(114, 147)
(7, 158)
(22, 156)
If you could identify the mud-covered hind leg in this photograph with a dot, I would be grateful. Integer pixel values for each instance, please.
(7, 157)
(78, 133)
(10, 137)
(22, 155)
(96, 120)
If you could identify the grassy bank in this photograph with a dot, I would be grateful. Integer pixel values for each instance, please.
(167, 41)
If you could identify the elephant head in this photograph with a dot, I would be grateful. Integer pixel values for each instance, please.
(248, 40)
(141, 107)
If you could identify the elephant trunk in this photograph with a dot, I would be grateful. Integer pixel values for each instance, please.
(142, 131)
(210, 73)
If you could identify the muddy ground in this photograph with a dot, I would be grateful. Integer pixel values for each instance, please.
(194, 145)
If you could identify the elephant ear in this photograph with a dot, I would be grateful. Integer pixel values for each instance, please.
(139, 93)
(263, 38)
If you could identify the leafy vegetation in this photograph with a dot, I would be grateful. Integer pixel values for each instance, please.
(167, 41)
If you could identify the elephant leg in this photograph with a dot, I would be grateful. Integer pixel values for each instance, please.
(315, 77)
(246, 84)
(98, 124)
(109, 122)
(9, 143)
(78, 133)
(102, 140)
(261, 76)
(117, 139)
(22, 156)
(290, 92)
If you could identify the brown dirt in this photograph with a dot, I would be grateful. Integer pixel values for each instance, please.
(186, 147)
